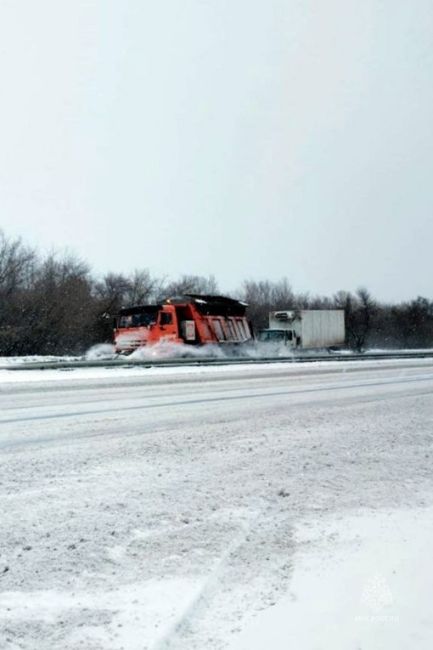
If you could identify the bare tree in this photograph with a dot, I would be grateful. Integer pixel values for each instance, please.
(142, 287)
(192, 284)
(359, 310)
(58, 310)
(111, 291)
(264, 296)
(413, 322)
(17, 267)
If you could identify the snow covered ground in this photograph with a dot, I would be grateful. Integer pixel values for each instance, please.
(260, 507)
(359, 581)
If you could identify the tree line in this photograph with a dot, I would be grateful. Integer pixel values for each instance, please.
(53, 304)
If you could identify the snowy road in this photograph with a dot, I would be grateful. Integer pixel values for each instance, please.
(162, 509)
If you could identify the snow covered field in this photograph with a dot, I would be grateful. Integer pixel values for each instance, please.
(260, 507)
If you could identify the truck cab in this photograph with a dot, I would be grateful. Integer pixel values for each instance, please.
(281, 336)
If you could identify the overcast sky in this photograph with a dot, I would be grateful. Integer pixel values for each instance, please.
(240, 138)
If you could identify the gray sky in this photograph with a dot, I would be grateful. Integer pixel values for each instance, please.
(243, 138)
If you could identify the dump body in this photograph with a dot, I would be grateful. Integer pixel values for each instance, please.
(191, 320)
(306, 328)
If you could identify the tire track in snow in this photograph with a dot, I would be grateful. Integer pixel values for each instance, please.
(236, 585)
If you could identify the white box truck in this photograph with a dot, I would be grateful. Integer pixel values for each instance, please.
(305, 329)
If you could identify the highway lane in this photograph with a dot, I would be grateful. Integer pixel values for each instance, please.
(190, 486)
(21, 403)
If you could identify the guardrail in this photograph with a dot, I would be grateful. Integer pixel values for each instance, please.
(126, 362)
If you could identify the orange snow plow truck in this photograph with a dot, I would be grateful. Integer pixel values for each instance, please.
(190, 319)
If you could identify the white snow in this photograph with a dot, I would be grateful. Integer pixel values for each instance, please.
(130, 371)
(136, 612)
(360, 581)
(175, 508)
(34, 358)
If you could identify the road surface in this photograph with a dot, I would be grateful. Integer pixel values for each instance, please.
(162, 509)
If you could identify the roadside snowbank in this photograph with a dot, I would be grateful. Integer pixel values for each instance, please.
(34, 358)
(8, 376)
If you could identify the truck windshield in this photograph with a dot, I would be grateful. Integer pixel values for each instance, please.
(271, 335)
(137, 320)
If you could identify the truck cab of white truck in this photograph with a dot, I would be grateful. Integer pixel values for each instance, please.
(282, 329)
(286, 337)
